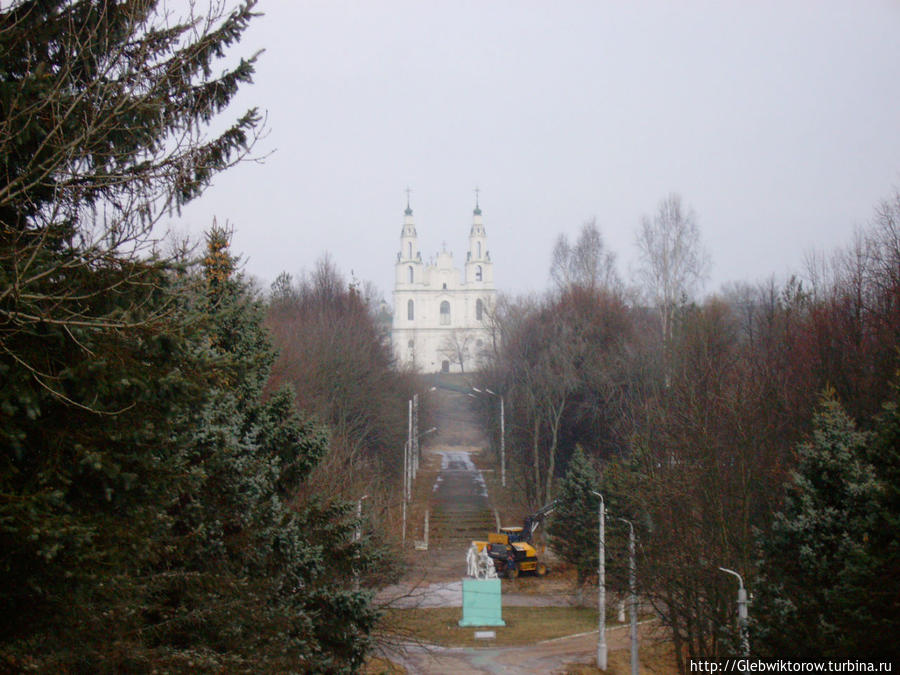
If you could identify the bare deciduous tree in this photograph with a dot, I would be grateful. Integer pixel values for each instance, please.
(457, 347)
(673, 261)
(587, 263)
(338, 361)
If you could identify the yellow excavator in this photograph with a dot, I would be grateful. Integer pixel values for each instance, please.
(512, 548)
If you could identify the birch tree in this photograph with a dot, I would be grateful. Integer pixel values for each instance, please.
(587, 263)
(672, 260)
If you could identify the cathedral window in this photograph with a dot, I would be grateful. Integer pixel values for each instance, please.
(410, 274)
(479, 250)
(445, 313)
(478, 273)
(409, 250)
(411, 310)
(479, 309)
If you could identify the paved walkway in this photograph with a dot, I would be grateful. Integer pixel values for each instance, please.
(449, 594)
(549, 656)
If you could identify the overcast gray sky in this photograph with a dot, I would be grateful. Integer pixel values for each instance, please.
(778, 122)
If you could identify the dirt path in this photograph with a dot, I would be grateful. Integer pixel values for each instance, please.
(549, 656)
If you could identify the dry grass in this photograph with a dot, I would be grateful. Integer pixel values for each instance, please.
(524, 625)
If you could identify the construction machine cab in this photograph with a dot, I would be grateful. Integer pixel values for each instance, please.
(514, 534)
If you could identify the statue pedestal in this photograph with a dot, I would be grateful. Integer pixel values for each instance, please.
(481, 603)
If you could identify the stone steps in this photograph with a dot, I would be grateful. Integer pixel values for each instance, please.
(458, 528)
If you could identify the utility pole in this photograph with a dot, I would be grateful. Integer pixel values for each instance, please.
(601, 587)
(632, 584)
(742, 612)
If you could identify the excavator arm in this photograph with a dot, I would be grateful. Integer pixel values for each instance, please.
(533, 521)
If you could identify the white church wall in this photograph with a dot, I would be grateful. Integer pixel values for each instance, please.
(429, 339)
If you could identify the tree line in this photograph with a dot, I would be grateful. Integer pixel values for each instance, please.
(755, 429)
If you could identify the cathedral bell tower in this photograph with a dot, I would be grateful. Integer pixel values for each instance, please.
(409, 259)
(479, 268)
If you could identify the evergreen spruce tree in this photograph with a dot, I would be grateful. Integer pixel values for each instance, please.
(149, 519)
(822, 559)
(257, 581)
(573, 528)
(883, 603)
(102, 110)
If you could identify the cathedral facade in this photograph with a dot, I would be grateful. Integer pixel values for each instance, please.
(441, 320)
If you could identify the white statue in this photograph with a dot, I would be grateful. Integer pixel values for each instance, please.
(486, 565)
(472, 561)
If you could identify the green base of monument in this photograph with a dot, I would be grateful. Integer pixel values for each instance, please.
(481, 603)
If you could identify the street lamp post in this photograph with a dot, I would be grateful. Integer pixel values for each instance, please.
(405, 495)
(601, 586)
(414, 435)
(742, 612)
(407, 485)
(632, 583)
(407, 478)
(502, 439)
(502, 433)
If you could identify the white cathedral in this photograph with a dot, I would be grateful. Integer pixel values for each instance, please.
(441, 317)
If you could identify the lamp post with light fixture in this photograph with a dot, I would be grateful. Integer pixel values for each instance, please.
(601, 586)
(632, 583)
(407, 478)
(502, 432)
(742, 612)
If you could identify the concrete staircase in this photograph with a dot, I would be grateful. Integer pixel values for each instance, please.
(453, 528)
